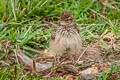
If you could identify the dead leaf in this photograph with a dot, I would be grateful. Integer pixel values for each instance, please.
(27, 61)
(89, 73)
(111, 40)
(69, 77)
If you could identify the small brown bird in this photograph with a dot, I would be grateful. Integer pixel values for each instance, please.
(65, 36)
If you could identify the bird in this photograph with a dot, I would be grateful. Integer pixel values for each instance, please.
(65, 36)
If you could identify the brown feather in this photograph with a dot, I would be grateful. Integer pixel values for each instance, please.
(65, 36)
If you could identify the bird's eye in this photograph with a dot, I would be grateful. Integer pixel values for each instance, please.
(69, 18)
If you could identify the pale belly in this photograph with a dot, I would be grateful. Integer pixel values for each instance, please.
(73, 41)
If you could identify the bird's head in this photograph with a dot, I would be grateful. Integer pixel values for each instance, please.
(67, 18)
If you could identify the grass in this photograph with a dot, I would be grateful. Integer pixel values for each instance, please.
(23, 23)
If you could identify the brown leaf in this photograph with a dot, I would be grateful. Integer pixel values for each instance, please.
(69, 77)
(89, 73)
(111, 40)
(32, 64)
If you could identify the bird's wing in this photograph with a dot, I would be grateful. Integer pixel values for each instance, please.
(53, 33)
(78, 30)
(76, 27)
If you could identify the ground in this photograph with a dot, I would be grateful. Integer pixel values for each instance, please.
(25, 28)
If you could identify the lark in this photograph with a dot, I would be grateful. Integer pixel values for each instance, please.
(65, 36)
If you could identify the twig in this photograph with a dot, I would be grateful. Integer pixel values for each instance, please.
(15, 72)
(13, 10)
(48, 75)
(104, 7)
(82, 54)
(4, 63)
(16, 57)
(91, 24)
(34, 66)
(104, 33)
(16, 54)
(98, 14)
(23, 75)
